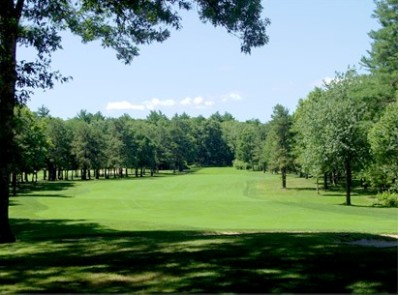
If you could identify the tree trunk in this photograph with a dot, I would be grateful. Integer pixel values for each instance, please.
(6, 236)
(9, 20)
(14, 183)
(52, 172)
(84, 174)
(348, 173)
(325, 181)
(283, 170)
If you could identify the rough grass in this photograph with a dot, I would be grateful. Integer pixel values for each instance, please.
(211, 231)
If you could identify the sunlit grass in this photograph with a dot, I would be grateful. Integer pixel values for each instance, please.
(213, 199)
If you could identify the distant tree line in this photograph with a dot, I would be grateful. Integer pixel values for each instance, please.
(93, 146)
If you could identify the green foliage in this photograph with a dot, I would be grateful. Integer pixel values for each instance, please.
(31, 142)
(240, 165)
(279, 142)
(60, 151)
(213, 150)
(332, 126)
(383, 57)
(246, 146)
(387, 199)
(383, 136)
(309, 147)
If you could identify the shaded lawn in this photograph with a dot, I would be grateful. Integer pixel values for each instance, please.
(59, 256)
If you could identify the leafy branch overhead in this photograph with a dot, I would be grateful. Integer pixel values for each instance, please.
(122, 26)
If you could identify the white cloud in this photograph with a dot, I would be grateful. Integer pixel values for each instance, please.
(209, 103)
(186, 101)
(154, 103)
(196, 102)
(232, 96)
(124, 105)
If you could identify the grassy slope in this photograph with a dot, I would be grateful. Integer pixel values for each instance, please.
(218, 199)
(160, 235)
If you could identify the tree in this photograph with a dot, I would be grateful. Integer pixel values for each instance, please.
(231, 130)
(347, 123)
(121, 143)
(332, 125)
(279, 142)
(31, 142)
(383, 56)
(309, 148)
(181, 142)
(88, 147)
(212, 149)
(122, 25)
(383, 138)
(246, 145)
(59, 155)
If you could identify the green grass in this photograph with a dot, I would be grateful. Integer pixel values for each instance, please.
(213, 230)
(217, 199)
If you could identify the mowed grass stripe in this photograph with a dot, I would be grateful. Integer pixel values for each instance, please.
(214, 199)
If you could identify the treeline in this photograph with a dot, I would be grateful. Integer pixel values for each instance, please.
(94, 146)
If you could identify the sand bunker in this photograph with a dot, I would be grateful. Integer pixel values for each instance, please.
(375, 243)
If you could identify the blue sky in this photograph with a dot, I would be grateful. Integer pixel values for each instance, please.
(200, 69)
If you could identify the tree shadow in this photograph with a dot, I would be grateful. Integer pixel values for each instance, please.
(145, 176)
(340, 192)
(43, 186)
(61, 256)
(299, 189)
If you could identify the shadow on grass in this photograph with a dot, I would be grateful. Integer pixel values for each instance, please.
(42, 190)
(301, 189)
(58, 256)
(43, 186)
(145, 176)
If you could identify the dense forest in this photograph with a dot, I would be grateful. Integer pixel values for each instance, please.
(346, 129)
